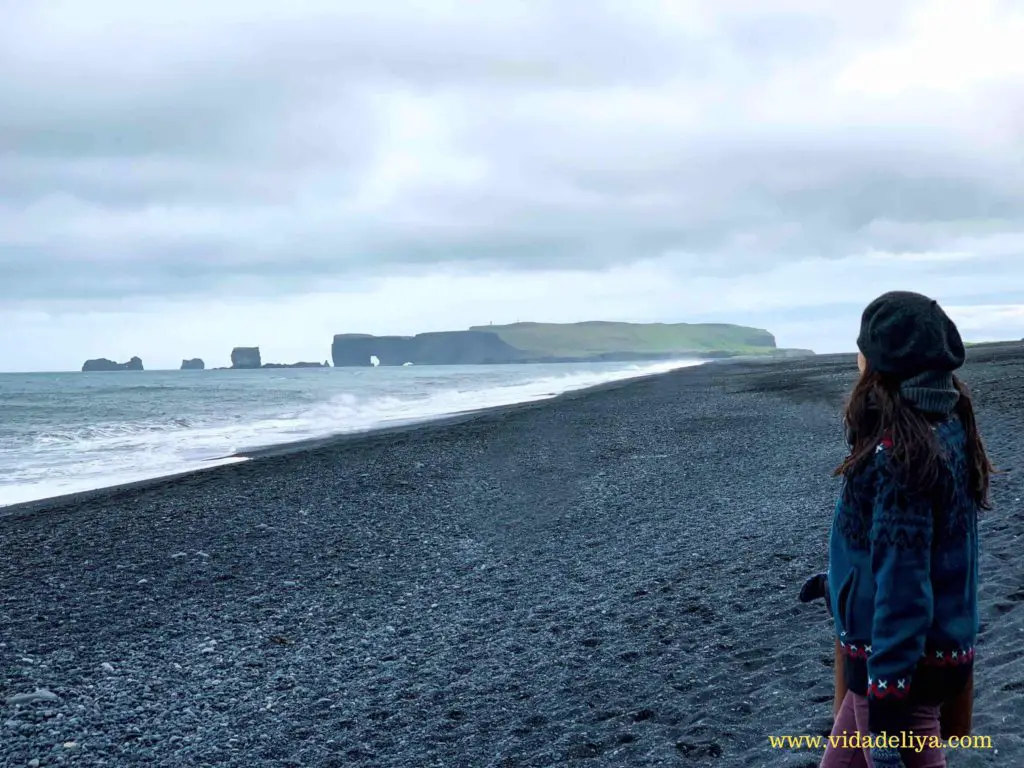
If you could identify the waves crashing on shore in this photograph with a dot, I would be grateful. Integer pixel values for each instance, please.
(77, 432)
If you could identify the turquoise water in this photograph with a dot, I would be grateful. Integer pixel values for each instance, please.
(69, 432)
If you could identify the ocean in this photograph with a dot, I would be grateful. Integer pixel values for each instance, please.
(70, 432)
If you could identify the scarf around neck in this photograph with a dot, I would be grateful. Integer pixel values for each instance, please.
(931, 392)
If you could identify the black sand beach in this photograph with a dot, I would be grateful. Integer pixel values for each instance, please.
(608, 578)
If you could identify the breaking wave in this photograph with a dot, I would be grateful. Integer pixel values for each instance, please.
(56, 460)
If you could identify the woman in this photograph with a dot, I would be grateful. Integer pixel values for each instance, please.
(903, 551)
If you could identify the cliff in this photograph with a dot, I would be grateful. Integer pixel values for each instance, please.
(610, 340)
(440, 348)
(554, 342)
(245, 357)
(103, 364)
(195, 364)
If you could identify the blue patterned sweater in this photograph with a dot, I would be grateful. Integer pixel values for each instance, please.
(903, 578)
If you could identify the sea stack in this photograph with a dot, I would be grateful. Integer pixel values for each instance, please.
(195, 364)
(103, 364)
(246, 357)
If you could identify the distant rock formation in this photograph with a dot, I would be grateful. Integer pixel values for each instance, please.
(249, 357)
(441, 348)
(103, 364)
(195, 364)
(246, 357)
(588, 341)
(555, 343)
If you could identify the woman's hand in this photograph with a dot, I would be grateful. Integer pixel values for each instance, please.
(816, 588)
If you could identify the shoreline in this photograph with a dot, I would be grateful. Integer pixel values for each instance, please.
(249, 455)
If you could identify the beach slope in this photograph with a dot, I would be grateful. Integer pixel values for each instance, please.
(606, 578)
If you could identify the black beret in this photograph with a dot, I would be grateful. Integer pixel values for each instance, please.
(904, 334)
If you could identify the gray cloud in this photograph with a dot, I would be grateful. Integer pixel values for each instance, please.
(261, 147)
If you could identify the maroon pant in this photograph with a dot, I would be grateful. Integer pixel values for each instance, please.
(853, 718)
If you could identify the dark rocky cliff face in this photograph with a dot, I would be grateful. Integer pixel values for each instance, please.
(442, 348)
(245, 357)
(103, 364)
(195, 364)
(480, 345)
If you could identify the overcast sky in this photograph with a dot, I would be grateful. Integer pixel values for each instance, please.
(180, 178)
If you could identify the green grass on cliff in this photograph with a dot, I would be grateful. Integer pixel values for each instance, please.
(595, 338)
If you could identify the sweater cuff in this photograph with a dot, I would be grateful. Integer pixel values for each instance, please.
(888, 705)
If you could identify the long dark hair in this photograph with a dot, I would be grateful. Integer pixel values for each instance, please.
(876, 410)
